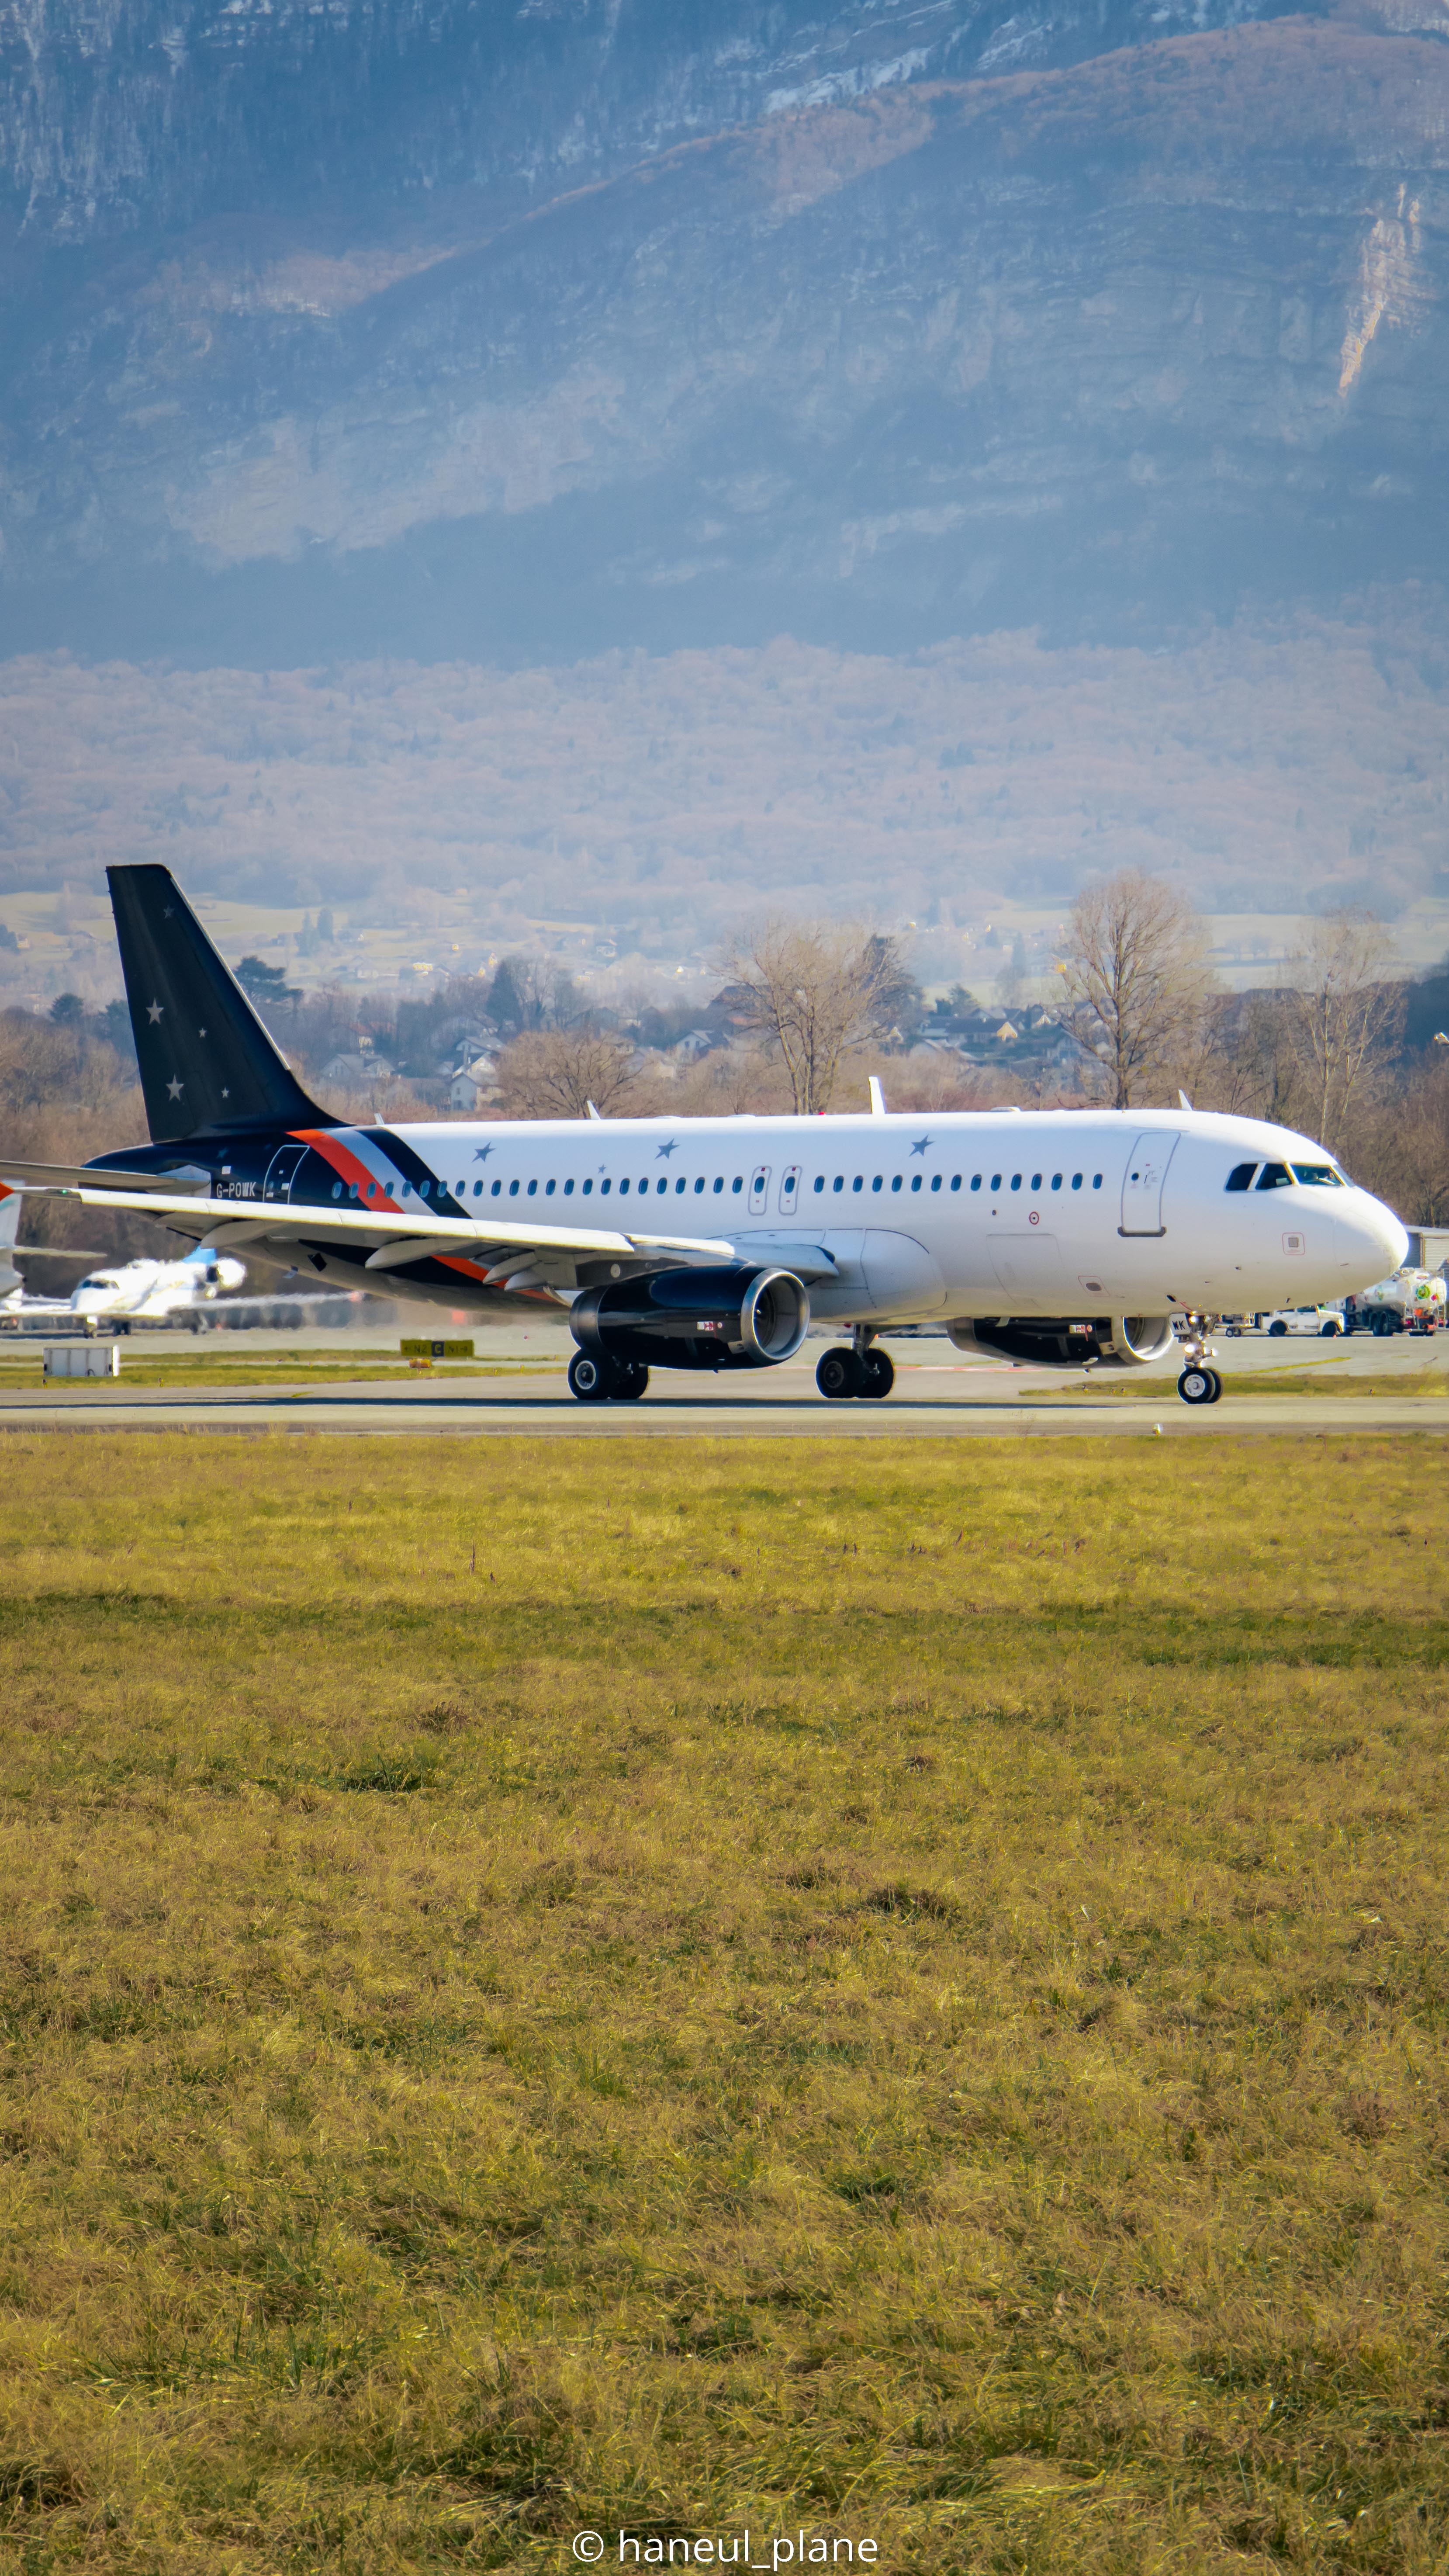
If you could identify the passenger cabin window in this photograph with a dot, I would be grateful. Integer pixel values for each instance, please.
(1241, 1176)
(1275, 1176)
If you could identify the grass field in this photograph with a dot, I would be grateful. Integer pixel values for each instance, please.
(866, 1991)
(22, 1365)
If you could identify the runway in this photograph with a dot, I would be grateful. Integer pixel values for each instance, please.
(937, 1396)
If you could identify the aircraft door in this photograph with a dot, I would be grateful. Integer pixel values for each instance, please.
(789, 1190)
(1142, 1184)
(759, 1189)
(281, 1171)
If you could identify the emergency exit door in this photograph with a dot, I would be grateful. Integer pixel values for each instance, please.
(1142, 1184)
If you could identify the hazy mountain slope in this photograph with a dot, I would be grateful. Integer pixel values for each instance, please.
(122, 116)
(669, 796)
(1106, 343)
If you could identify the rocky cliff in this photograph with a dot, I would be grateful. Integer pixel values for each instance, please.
(468, 331)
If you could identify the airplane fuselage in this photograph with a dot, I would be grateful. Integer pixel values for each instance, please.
(958, 1214)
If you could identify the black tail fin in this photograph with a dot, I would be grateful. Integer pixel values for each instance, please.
(206, 1061)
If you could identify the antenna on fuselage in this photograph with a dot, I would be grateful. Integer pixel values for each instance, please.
(877, 1096)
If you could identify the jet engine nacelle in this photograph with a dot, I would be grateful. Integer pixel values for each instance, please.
(706, 1319)
(1051, 1341)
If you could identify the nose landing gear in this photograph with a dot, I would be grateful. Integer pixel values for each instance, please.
(1198, 1383)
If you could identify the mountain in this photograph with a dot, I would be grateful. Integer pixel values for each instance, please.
(522, 333)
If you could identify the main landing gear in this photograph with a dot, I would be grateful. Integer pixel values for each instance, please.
(605, 1381)
(1198, 1383)
(859, 1371)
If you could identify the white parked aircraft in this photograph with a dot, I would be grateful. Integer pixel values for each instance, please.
(1055, 1235)
(140, 1291)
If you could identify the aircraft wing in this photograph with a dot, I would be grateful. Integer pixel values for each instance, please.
(386, 1238)
(389, 1238)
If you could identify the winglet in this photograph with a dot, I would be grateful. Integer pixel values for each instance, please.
(877, 1097)
(11, 1204)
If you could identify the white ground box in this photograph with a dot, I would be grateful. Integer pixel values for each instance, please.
(82, 1359)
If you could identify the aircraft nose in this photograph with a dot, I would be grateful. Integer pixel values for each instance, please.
(1377, 1232)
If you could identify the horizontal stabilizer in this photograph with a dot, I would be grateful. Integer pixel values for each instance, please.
(62, 1176)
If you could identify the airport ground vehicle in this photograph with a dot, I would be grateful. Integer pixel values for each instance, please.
(1056, 1236)
(1408, 1301)
(1326, 1321)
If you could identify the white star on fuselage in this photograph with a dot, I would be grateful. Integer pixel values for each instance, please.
(154, 1012)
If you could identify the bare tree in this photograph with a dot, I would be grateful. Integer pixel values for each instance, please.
(815, 990)
(1137, 981)
(1341, 1011)
(558, 1073)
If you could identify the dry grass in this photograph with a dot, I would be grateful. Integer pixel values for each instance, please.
(874, 1988)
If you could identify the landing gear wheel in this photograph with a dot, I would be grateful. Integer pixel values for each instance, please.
(877, 1373)
(1198, 1385)
(839, 1375)
(630, 1381)
(590, 1379)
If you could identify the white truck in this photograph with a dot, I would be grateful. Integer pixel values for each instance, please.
(1408, 1301)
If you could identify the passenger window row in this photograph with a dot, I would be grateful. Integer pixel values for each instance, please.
(530, 1189)
(1038, 1181)
(1019, 1180)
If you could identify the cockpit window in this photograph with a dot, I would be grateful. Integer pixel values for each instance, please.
(1275, 1176)
(1318, 1176)
(1241, 1176)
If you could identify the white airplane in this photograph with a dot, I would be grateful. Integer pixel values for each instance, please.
(1058, 1236)
(143, 1291)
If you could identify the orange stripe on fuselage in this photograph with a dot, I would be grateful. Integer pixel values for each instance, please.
(323, 1141)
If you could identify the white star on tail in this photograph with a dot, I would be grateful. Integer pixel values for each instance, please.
(174, 1090)
(154, 1012)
